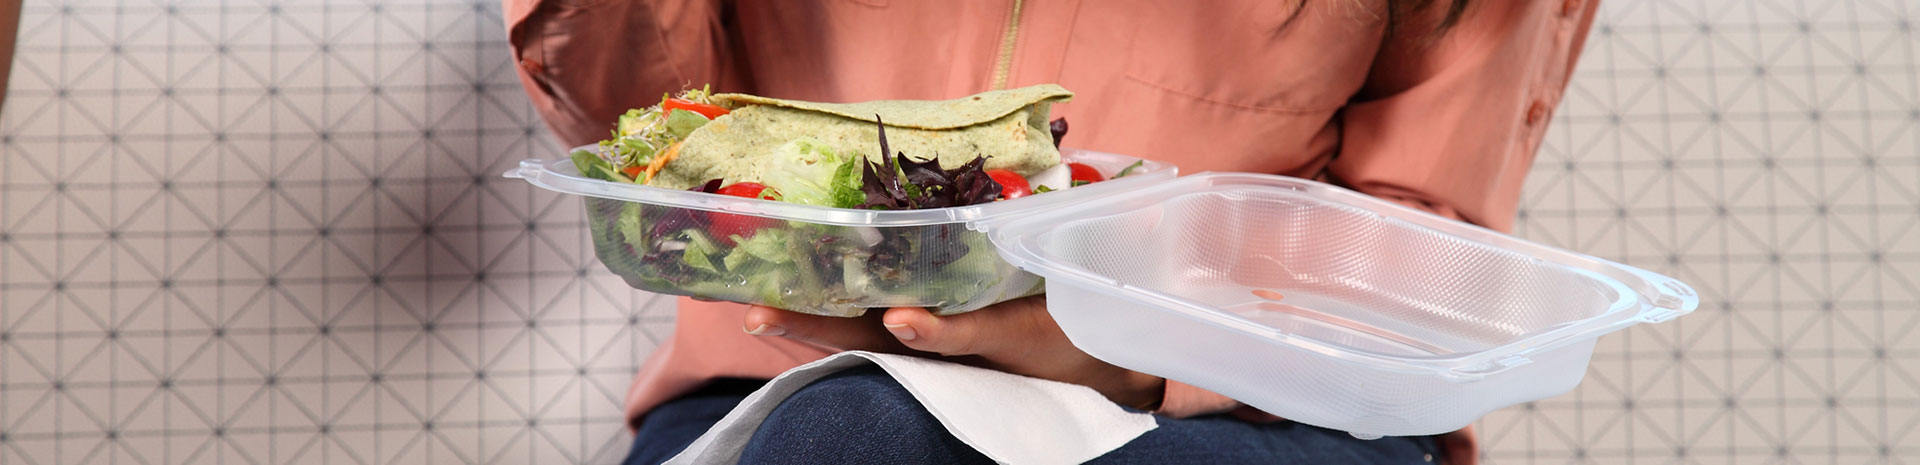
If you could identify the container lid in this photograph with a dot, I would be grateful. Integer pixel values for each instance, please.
(1631, 295)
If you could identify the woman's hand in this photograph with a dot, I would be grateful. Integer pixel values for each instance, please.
(1016, 336)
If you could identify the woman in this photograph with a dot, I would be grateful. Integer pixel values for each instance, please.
(1436, 105)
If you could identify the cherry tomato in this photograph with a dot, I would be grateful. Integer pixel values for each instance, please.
(724, 226)
(1012, 185)
(633, 172)
(748, 190)
(1083, 173)
(709, 111)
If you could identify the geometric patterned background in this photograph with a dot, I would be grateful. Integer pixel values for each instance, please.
(1767, 153)
(246, 232)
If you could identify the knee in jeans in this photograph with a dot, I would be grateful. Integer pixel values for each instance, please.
(856, 416)
(862, 413)
(854, 399)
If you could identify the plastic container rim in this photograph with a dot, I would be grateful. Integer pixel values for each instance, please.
(561, 176)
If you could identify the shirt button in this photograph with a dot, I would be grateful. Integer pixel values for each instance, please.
(1537, 113)
(1569, 7)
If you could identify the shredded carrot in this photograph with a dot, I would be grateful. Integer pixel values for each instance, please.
(661, 161)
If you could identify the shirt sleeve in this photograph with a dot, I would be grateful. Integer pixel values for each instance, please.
(584, 62)
(1450, 122)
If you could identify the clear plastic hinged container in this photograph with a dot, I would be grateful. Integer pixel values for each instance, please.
(1305, 300)
(818, 260)
(1326, 306)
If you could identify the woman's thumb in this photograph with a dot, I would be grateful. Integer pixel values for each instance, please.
(950, 335)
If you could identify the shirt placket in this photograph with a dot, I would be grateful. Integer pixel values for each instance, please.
(1548, 90)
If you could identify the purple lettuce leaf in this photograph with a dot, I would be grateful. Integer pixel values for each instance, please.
(1059, 129)
(899, 182)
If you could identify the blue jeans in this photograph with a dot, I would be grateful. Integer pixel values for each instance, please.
(862, 416)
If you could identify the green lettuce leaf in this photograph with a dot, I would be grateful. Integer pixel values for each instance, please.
(846, 191)
(631, 228)
(592, 166)
(680, 123)
(803, 171)
(771, 285)
(700, 251)
(768, 244)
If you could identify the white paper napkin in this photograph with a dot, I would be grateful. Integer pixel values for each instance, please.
(1009, 418)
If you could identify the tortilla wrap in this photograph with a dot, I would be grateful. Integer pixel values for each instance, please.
(1009, 127)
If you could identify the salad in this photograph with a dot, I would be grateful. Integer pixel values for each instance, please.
(812, 267)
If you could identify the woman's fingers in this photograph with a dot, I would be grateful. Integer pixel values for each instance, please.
(1011, 330)
(917, 328)
(857, 333)
(1019, 337)
(1016, 336)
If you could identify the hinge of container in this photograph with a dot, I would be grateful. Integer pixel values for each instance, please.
(525, 169)
(1661, 313)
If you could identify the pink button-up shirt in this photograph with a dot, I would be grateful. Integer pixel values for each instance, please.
(1448, 123)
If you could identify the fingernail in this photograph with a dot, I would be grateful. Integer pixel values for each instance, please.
(904, 332)
(767, 330)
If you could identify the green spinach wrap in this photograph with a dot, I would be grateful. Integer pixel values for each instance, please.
(1008, 127)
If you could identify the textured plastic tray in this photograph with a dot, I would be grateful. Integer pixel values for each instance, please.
(1325, 306)
(833, 267)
